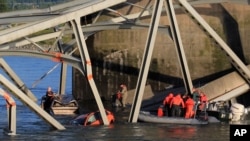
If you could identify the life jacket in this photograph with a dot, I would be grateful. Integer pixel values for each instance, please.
(203, 98)
(177, 100)
(168, 99)
(189, 103)
(160, 112)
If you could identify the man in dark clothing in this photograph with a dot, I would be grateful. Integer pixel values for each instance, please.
(166, 103)
(49, 97)
(196, 95)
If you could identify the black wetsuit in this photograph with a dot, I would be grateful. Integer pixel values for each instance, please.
(48, 101)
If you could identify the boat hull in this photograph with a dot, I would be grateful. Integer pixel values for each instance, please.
(60, 105)
(148, 117)
(59, 108)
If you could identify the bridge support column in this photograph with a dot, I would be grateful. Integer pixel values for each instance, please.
(140, 86)
(16, 79)
(63, 72)
(11, 110)
(235, 60)
(86, 62)
(178, 45)
(11, 113)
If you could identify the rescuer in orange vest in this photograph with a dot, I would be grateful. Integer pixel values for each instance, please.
(176, 104)
(166, 103)
(203, 101)
(189, 105)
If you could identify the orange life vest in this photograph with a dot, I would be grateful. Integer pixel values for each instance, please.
(160, 112)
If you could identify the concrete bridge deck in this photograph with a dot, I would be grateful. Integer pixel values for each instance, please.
(225, 88)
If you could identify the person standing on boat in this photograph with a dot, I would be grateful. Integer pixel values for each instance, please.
(49, 97)
(189, 105)
(196, 95)
(176, 104)
(196, 98)
(124, 93)
(203, 101)
(166, 103)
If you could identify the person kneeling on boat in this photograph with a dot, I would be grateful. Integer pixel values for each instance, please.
(189, 104)
(176, 104)
(48, 99)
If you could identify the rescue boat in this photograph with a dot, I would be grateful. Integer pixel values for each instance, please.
(202, 119)
(62, 105)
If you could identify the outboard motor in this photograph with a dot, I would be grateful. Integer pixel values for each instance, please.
(220, 110)
(238, 112)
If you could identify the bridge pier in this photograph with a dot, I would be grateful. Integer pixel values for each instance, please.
(141, 83)
(11, 113)
(86, 62)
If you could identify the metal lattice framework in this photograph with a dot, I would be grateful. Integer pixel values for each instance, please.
(58, 23)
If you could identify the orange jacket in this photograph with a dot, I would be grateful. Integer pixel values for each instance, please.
(177, 100)
(203, 98)
(189, 103)
(189, 108)
(160, 112)
(168, 99)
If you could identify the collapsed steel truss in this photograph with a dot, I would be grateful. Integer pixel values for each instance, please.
(65, 19)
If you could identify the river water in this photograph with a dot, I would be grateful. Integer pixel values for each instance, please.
(32, 127)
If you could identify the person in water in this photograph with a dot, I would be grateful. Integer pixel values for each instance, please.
(49, 97)
(124, 94)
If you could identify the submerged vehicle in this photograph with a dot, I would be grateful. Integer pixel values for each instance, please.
(93, 118)
(60, 105)
(146, 116)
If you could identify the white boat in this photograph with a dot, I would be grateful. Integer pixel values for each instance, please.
(64, 108)
(146, 116)
(61, 105)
